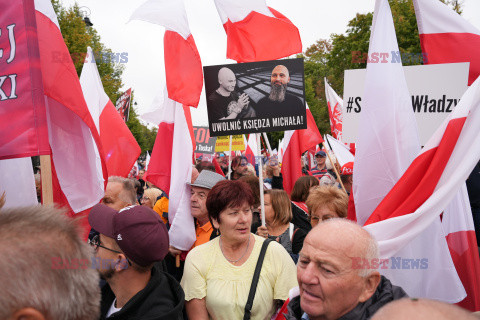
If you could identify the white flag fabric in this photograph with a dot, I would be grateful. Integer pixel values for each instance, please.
(387, 144)
(18, 182)
(342, 153)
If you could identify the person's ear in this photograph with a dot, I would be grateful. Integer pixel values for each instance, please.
(28, 314)
(215, 223)
(121, 263)
(370, 286)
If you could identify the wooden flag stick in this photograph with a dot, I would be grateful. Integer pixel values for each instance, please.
(230, 159)
(260, 178)
(335, 169)
(46, 176)
(177, 261)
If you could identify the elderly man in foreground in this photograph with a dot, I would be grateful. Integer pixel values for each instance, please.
(331, 287)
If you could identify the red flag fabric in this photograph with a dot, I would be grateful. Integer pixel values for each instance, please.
(296, 142)
(120, 148)
(218, 168)
(22, 106)
(183, 67)
(73, 137)
(335, 105)
(446, 37)
(256, 32)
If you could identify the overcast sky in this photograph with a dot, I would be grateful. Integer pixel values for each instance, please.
(143, 42)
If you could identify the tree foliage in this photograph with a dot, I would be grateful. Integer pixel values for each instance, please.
(78, 37)
(331, 57)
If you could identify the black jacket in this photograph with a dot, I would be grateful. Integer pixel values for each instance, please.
(161, 299)
(386, 292)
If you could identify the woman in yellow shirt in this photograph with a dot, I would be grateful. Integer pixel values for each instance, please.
(218, 274)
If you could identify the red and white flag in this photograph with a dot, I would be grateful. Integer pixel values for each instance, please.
(251, 148)
(76, 181)
(170, 168)
(22, 107)
(335, 105)
(446, 37)
(183, 67)
(120, 148)
(256, 32)
(428, 186)
(386, 145)
(296, 142)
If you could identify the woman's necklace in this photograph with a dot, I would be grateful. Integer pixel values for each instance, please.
(234, 261)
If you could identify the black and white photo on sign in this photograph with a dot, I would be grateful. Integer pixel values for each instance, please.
(255, 97)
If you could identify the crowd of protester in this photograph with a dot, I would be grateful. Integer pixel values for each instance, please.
(297, 265)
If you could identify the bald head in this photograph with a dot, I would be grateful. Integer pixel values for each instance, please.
(421, 309)
(227, 80)
(347, 237)
(279, 80)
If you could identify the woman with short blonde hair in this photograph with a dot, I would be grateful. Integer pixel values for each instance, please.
(326, 202)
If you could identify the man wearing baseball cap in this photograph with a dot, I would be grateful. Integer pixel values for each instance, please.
(129, 242)
(346, 174)
(321, 168)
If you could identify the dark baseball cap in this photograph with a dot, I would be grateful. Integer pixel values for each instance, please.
(320, 153)
(138, 231)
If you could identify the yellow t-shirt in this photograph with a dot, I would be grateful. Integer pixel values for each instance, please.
(209, 275)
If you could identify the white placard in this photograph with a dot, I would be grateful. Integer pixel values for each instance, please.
(435, 90)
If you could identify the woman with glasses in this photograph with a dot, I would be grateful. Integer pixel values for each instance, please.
(326, 202)
(218, 274)
(150, 197)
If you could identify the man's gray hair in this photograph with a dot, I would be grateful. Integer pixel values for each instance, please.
(46, 266)
(128, 194)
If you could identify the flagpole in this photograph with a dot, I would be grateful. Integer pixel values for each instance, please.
(335, 169)
(46, 178)
(260, 180)
(268, 143)
(230, 159)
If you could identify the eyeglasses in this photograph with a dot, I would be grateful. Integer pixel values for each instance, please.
(95, 243)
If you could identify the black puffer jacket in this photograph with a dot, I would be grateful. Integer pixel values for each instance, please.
(386, 292)
(161, 299)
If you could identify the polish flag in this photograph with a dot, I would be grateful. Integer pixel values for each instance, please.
(387, 144)
(251, 148)
(335, 105)
(73, 136)
(121, 150)
(183, 67)
(446, 37)
(256, 32)
(428, 187)
(170, 167)
(296, 142)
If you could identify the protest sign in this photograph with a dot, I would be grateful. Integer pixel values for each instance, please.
(204, 143)
(255, 97)
(435, 91)
(123, 104)
(223, 143)
(22, 105)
